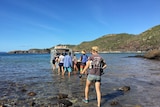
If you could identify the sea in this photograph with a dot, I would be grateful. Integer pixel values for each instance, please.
(21, 74)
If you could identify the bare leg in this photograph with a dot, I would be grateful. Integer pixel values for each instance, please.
(76, 68)
(81, 68)
(63, 73)
(53, 67)
(69, 74)
(98, 91)
(59, 70)
(88, 83)
(62, 70)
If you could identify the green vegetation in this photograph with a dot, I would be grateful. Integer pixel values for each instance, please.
(148, 40)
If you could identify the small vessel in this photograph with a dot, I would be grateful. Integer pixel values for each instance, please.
(60, 49)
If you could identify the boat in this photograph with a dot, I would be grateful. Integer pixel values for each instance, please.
(60, 49)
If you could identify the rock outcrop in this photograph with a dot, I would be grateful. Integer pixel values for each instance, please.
(153, 54)
(30, 51)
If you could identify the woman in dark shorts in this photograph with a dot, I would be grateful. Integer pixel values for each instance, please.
(94, 75)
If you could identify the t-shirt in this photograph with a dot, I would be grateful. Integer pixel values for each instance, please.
(61, 59)
(95, 64)
(84, 58)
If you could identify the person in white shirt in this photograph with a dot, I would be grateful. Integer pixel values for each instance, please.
(61, 61)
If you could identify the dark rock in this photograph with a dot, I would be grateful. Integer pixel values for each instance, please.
(124, 88)
(32, 103)
(61, 96)
(31, 94)
(23, 90)
(65, 103)
(114, 103)
(138, 56)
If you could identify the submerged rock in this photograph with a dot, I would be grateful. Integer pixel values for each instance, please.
(124, 88)
(61, 96)
(23, 90)
(32, 94)
(114, 103)
(32, 103)
(64, 103)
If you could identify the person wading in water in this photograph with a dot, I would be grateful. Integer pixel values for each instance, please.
(94, 64)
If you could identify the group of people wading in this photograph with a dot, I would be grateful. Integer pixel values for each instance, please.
(66, 63)
(92, 66)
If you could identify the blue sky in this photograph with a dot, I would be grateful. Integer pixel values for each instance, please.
(27, 24)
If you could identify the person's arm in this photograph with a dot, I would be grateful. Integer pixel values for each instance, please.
(80, 58)
(104, 65)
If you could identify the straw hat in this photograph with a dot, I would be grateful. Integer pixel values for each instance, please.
(95, 48)
(83, 52)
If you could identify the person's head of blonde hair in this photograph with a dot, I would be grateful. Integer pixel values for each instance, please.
(95, 48)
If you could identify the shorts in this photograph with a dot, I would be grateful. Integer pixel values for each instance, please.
(60, 64)
(82, 65)
(68, 69)
(94, 78)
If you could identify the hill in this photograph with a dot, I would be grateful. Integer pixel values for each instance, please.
(109, 42)
(147, 40)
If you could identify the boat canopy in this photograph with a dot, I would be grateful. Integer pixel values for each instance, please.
(60, 49)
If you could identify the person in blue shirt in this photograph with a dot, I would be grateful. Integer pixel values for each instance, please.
(67, 64)
(83, 59)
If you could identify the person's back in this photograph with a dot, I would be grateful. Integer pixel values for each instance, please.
(67, 61)
(68, 64)
(61, 61)
(75, 63)
(83, 59)
(61, 58)
(96, 63)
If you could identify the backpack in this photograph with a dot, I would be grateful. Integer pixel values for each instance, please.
(84, 58)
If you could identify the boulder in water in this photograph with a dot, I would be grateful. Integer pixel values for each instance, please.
(124, 88)
(153, 54)
(64, 103)
(61, 96)
(31, 94)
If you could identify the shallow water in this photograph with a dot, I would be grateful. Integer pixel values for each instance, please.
(21, 74)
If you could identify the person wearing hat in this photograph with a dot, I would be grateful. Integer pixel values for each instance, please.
(96, 64)
(83, 60)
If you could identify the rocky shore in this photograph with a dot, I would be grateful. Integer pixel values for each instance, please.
(30, 51)
(22, 96)
(153, 55)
